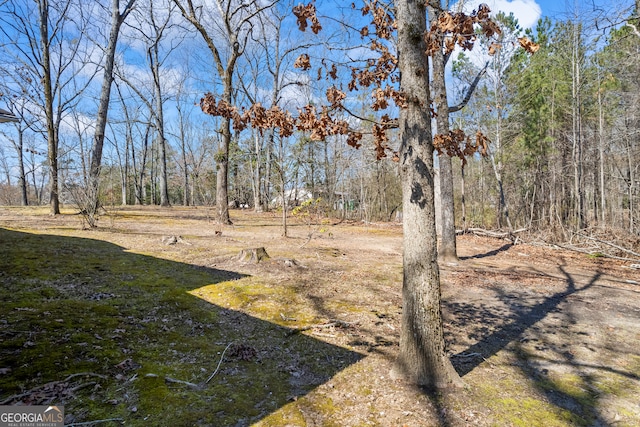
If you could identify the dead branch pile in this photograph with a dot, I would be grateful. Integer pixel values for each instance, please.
(598, 242)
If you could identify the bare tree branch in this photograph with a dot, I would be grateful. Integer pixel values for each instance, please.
(472, 88)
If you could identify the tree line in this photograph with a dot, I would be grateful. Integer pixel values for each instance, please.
(562, 123)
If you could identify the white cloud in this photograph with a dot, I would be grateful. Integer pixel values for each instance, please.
(526, 11)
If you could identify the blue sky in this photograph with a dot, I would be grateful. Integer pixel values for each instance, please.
(529, 11)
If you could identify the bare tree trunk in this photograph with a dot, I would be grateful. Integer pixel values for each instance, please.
(463, 201)
(23, 176)
(255, 182)
(159, 115)
(117, 19)
(631, 186)
(283, 192)
(447, 251)
(267, 172)
(125, 171)
(52, 137)
(124, 159)
(503, 208)
(602, 218)
(183, 153)
(222, 195)
(422, 359)
(577, 151)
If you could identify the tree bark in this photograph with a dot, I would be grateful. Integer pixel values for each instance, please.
(422, 359)
(52, 137)
(222, 160)
(463, 201)
(159, 115)
(576, 114)
(117, 19)
(183, 153)
(447, 251)
(23, 175)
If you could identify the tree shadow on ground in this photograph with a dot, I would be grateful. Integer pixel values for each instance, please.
(117, 335)
(539, 332)
(494, 252)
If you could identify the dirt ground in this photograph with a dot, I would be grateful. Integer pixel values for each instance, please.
(540, 336)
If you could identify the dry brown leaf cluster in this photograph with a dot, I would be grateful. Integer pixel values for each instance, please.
(320, 124)
(335, 97)
(331, 72)
(457, 144)
(528, 45)
(460, 29)
(382, 20)
(304, 12)
(258, 116)
(303, 61)
(377, 71)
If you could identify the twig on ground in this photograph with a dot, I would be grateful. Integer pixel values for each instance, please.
(187, 383)
(592, 252)
(219, 363)
(174, 381)
(85, 374)
(286, 318)
(190, 384)
(17, 396)
(321, 334)
(81, 386)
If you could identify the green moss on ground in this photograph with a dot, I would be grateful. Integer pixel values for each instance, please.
(106, 328)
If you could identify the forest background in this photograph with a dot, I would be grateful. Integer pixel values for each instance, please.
(563, 123)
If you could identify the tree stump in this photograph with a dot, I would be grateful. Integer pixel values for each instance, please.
(253, 255)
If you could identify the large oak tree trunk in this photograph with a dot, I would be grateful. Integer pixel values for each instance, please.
(422, 359)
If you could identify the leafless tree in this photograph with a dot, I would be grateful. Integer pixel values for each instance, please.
(47, 58)
(226, 30)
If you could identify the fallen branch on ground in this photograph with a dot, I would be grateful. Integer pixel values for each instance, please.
(194, 386)
(592, 252)
(613, 245)
(509, 235)
(330, 324)
(219, 363)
